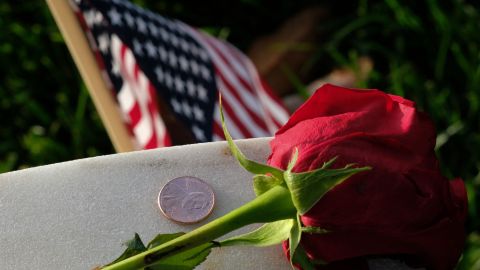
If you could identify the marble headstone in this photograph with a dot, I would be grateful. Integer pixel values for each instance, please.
(78, 214)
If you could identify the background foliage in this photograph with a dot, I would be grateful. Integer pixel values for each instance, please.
(426, 51)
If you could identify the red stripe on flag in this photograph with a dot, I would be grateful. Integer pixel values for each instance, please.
(245, 84)
(236, 121)
(260, 122)
(272, 95)
(217, 130)
(152, 143)
(135, 114)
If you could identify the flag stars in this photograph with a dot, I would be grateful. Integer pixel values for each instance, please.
(174, 40)
(165, 35)
(163, 53)
(153, 29)
(129, 19)
(159, 73)
(150, 14)
(198, 114)
(194, 66)
(202, 93)
(89, 17)
(179, 85)
(115, 17)
(141, 25)
(172, 59)
(115, 68)
(183, 63)
(203, 55)
(93, 17)
(184, 45)
(187, 110)
(198, 133)
(177, 107)
(159, 19)
(191, 88)
(103, 43)
(137, 47)
(151, 51)
(168, 80)
(205, 73)
(193, 49)
(171, 25)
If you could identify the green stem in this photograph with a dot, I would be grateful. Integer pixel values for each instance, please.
(275, 204)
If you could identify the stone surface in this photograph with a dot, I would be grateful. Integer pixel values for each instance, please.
(76, 215)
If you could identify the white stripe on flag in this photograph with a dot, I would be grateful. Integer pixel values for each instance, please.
(232, 128)
(277, 111)
(143, 131)
(126, 98)
(247, 97)
(222, 47)
(160, 129)
(242, 114)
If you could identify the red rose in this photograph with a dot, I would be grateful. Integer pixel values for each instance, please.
(403, 206)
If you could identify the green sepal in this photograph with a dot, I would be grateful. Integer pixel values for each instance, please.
(295, 237)
(300, 258)
(293, 160)
(269, 234)
(262, 183)
(307, 188)
(249, 165)
(134, 246)
(314, 230)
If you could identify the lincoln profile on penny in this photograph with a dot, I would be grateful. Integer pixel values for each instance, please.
(186, 199)
(352, 182)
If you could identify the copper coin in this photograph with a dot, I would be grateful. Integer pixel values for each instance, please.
(186, 199)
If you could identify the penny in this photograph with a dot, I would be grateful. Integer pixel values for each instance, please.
(186, 199)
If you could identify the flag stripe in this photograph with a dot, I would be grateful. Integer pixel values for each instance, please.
(145, 112)
(227, 89)
(243, 114)
(217, 132)
(274, 106)
(232, 128)
(228, 75)
(150, 108)
(225, 51)
(236, 70)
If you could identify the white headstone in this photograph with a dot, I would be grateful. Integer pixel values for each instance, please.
(77, 214)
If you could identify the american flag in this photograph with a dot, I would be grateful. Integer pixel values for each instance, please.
(146, 57)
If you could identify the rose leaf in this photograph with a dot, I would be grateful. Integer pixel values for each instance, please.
(134, 246)
(185, 260)
(269, 234)
(307, 188)
(163, 238)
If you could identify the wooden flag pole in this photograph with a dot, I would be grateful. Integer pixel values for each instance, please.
(84, 58)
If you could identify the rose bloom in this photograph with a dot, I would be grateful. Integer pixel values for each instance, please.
(402, 208)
